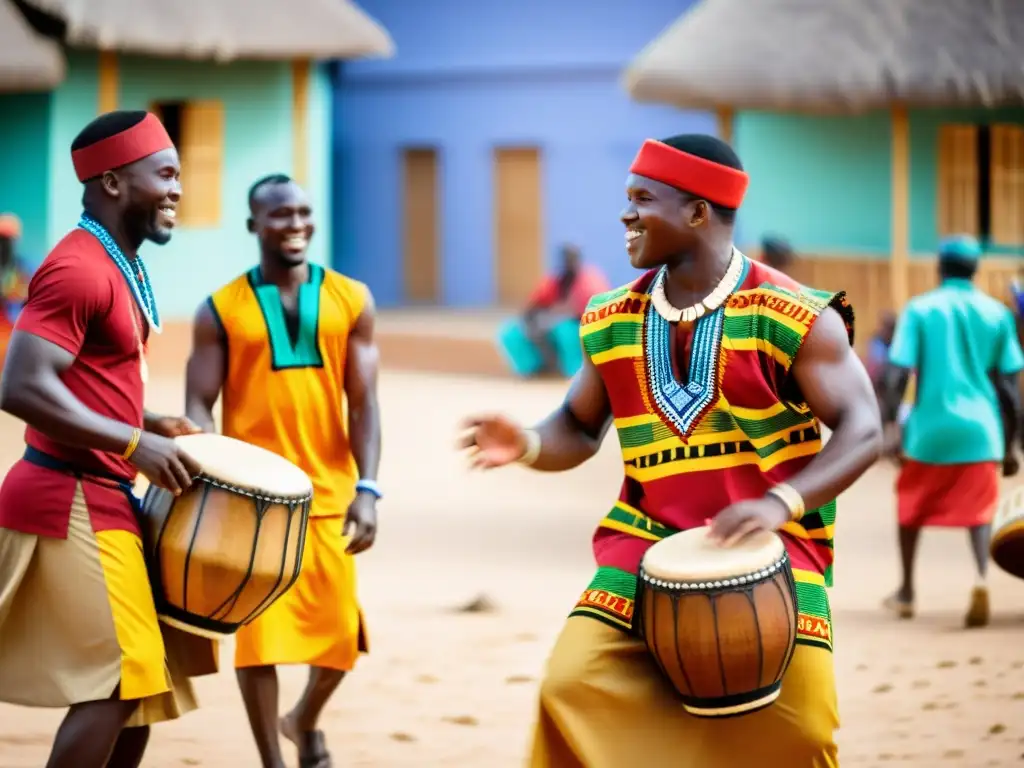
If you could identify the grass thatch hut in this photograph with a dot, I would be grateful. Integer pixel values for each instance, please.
(28, 61)
(871, 128)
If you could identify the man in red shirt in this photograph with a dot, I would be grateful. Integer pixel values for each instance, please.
(78, 625)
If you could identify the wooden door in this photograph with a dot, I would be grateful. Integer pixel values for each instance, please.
(421, 211)
(202, 164)
(518, 224)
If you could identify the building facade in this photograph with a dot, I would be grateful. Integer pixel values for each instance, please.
(497, 132)
(232, 123)
(826, 182)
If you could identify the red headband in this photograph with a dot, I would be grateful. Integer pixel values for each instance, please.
(706, 179)
(141, 140)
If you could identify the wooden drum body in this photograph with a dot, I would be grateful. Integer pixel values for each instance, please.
(720, 622)
(1007, 543)
(222, 552)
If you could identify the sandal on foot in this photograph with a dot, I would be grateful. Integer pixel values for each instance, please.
(904, 609)
(978, 612)
(312, 745)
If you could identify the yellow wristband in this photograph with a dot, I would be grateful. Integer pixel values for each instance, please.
(132, 444)
(789, 496)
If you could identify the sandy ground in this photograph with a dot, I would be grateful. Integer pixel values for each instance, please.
(444, 688)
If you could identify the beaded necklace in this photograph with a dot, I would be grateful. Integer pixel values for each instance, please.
(137, 279)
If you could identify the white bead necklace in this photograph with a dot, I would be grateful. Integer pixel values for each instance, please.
(713, 301)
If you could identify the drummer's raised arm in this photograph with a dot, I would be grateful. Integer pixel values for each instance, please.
(207, 367)
(837, 389)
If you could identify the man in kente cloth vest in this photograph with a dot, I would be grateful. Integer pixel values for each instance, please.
(717, 373)
(78, 624)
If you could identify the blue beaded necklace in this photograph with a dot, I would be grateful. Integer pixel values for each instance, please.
(138, 280)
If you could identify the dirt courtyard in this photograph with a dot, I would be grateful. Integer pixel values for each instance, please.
(448, 688)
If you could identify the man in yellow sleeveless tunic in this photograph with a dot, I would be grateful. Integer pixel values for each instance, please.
(290, 348)
(717, 373)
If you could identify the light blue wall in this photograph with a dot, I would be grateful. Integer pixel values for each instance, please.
(258, 140)
(469, 77)
(24, 171)
(821, 182)
(75, 103)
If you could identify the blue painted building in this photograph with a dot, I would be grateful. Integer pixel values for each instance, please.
(498, 131)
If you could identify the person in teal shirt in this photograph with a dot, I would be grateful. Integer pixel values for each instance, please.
(962, 345)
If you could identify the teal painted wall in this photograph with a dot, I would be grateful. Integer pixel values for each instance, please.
(257, 98)
(924, 154)
(821, 182)
(24, 160)
(75, 103)
(825, 182)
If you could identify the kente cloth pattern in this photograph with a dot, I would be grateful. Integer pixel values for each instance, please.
(733, 427)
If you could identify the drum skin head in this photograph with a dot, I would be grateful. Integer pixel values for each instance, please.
(244, 465)
(691, 556)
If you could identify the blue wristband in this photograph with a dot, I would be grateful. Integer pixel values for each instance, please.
(370, 487)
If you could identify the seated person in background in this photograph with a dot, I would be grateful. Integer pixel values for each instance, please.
(777, 253)
(546, 338)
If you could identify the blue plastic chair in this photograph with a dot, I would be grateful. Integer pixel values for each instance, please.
(525, 359)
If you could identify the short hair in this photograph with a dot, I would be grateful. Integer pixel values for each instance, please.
(270, 180)
(957, 267)
(958, 256)
(709, 148)
(105, 126)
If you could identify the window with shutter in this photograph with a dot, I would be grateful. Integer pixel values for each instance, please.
(958, 200)
(197, 129)
(1006, 185)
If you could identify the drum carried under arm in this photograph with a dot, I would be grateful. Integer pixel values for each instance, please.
(1007, 543)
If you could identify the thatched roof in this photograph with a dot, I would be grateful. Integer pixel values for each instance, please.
(836, 55)
(28, 62)
(222, 29)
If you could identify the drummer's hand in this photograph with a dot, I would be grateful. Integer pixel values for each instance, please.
(737, 521)
(492, 441)
(360, 523)
(171, 426)
(165, 464)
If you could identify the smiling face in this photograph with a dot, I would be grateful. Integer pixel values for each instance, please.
(662, 223)
(282, 219)
(148, 194)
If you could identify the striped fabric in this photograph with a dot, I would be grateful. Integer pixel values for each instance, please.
(734, 427)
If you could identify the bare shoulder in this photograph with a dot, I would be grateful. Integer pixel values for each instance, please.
(206, 323)
(828, 339)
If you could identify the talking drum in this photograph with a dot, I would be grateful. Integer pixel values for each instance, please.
(1007, 543)
(222, 552)
(720, 622)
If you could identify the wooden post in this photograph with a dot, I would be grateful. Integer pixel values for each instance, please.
(899, 264)
(108, 82)
(300, 120)
(724, 118)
